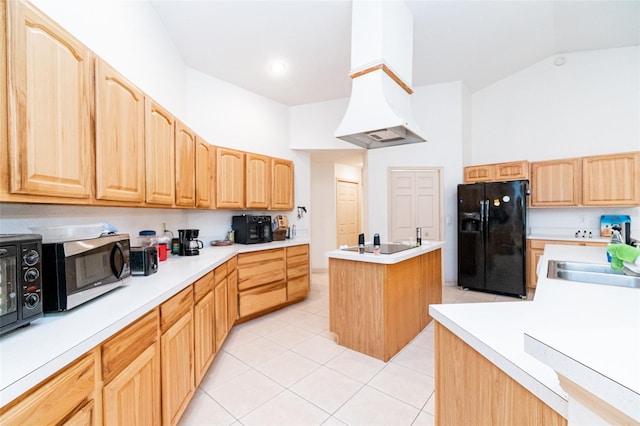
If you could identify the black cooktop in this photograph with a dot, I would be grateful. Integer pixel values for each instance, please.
(389, 248)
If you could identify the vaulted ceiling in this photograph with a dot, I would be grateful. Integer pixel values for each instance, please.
(475, 41)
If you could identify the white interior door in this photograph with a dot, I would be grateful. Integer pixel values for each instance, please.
(414, 201)
(347, 212)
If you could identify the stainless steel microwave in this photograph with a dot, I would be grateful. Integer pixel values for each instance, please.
(75, 272)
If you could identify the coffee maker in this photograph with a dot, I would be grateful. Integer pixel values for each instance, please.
(190, 245)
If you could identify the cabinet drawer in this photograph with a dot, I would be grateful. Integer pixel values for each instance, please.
(120, 351)
(175, 308)
(297, 287)
(297, 266)
(203, 286)
(220, 273)
(539, 244)
(262, 298)
(232, 264)
(297, 250)
(260, 256)
(55, 398)
(258, 274)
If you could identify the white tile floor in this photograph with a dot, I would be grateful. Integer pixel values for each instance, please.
(286, 369)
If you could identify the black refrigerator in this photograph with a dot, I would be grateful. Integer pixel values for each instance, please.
(492, 237)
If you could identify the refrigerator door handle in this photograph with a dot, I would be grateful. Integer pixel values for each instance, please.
(481, 215)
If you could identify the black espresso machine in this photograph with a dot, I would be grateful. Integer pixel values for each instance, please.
(252, 229)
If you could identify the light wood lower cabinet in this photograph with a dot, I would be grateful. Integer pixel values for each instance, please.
(220, 297)
(262, 281)
(470, 390)
(177, 347)
(232, 292)
(133, 396)
(298, 280)
(58, 399)
(203, 325)
(535, 250)
(430, 285)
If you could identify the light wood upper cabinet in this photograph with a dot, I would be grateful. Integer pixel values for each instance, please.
(258, 181)
(556, 183)
(611, 180)
(119, 137)
(204, 173)
(50, 107)
(482, 173)
(159, 154)
(185, 166)
(514, 170)
(282, 184)
(54, 400)
(229, 178)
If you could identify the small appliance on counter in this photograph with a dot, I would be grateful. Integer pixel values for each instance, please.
(280, 228)
(20, 280)
(144, 260)
(252, 229)
(620, 223)
(75, 272)
(190, 245)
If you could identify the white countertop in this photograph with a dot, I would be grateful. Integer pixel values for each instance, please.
(31, 354)
(561, 313)
(386, 259)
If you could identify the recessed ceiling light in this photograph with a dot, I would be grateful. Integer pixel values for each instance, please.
(278, 67)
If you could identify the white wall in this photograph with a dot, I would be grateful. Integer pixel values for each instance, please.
(226, 115)
(313, 125)
(588, 106)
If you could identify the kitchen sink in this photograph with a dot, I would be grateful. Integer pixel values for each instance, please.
(595, 273)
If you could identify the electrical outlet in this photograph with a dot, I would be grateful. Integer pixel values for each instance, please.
(164, 228)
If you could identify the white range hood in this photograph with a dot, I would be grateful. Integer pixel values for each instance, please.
(379, 113)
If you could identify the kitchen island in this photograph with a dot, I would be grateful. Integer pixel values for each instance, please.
(497, 363)
(379, 303)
